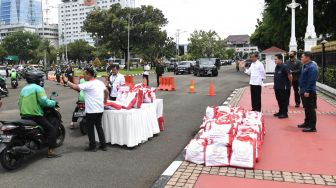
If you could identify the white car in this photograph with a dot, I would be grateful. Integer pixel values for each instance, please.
(3, 71)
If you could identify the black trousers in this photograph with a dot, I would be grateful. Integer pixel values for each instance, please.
(147, 79)
(95, 120)
(50, 130)
(296, 92)
(58, 78)
(113, 98)
(309, 105)
(256, 97)
(158, 79)
(74, 119)
(281, 96)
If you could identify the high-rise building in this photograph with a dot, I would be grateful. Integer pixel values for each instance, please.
(27, 12)
(72, 14)
(25, 15)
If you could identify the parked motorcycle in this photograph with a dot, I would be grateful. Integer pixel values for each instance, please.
(81, 117)
(19, 139)
(14, 83)
(3, 87)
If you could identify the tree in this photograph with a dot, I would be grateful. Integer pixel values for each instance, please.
(3, 54)
(110, 28)
(275, 28)
(23, 44)
(230, 52)
(206, 44)
(97, 62)
(79, 50)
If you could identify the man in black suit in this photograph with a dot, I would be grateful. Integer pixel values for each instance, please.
(159, 71)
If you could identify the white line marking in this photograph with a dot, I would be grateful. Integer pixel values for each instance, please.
(172, 168)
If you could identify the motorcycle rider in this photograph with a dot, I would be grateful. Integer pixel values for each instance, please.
(58, 74)
(13, 74)
(33, 99)
(80, 100)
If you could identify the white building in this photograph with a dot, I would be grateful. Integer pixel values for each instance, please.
(49, 32)
(72, 14)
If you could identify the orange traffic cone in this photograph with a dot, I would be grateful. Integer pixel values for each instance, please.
(211, 90)
(192, 87)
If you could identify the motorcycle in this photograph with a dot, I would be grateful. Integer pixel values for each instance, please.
(14, 83)
(81, 117)
(22, 138)
(3, 87)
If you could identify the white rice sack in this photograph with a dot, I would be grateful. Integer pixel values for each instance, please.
(243, 152)
(195, 151)
(217, 154)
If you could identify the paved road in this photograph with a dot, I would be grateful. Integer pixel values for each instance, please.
(120, 166)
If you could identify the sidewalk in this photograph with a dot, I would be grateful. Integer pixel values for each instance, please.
(289, 157)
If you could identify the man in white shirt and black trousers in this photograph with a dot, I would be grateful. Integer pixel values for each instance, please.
(257, 75)
(115, 80)
(96, 94)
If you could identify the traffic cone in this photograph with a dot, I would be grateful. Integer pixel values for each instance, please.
(211, 90)
(192, 87)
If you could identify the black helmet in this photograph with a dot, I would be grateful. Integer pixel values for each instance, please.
(35, 77)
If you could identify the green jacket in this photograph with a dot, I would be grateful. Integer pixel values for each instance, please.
(81, 97)
(13, 75)
(32, 100)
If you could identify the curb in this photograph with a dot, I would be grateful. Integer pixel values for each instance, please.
(166, 175)
(326, 90)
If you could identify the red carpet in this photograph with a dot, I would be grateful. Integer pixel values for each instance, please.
(286, 148)
(213, 181)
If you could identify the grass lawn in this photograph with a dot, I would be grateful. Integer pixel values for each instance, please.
(103, 73)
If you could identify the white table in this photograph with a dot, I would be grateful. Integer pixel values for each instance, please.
(132, 127)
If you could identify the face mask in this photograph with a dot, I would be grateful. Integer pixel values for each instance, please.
(291, 56)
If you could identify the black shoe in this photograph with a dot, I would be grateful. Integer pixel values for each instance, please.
(90, 149)
(309, 130)
(297, 106)
(276, 114)
(103, 148)
(53, 155)
(282, 116)
(302, 125)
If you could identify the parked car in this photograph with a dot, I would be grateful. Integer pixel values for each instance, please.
(171, 67)
(205, 67)
(183, 67)
(192, 65)
(3, 71)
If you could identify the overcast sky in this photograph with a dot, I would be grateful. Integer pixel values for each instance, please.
(226, 17)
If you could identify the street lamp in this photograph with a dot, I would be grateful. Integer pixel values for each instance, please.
(128, 38)
(293, 43)
(64, 42)
(323, 59)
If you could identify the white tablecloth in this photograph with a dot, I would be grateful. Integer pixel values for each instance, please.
(132, 127)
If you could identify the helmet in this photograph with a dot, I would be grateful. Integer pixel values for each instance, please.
(35, 77)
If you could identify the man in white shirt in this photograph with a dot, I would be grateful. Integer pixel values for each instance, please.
(257, 75)
(114, 81)
(96, 94)
(146, 73)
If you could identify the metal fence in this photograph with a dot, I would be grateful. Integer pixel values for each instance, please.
(329, 70)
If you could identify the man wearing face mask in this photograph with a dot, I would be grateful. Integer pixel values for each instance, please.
(295, 66)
